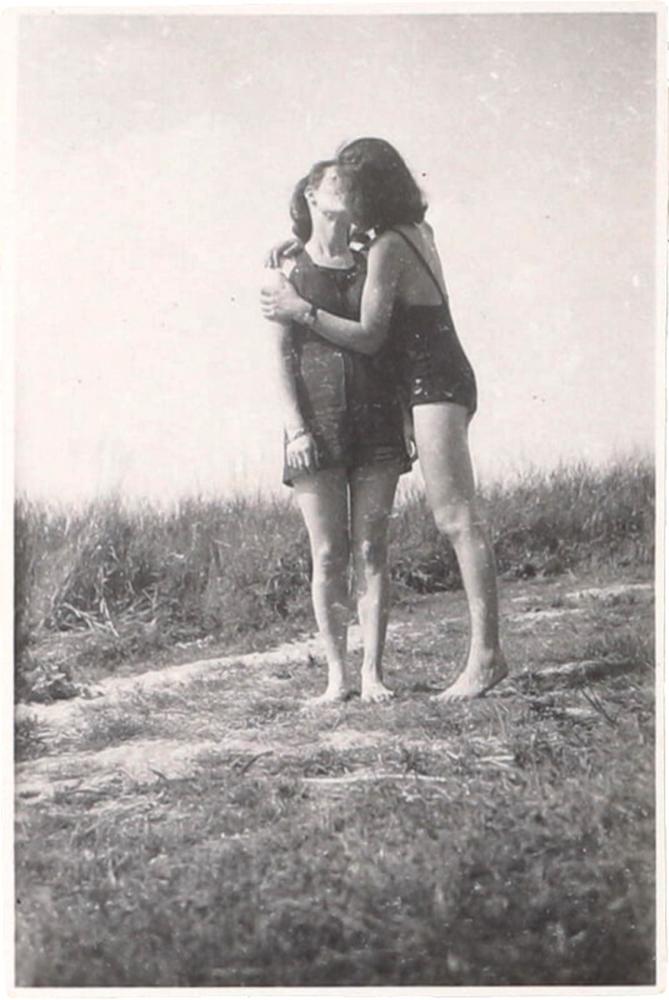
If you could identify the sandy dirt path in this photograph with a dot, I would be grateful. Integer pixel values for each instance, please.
(77, 770)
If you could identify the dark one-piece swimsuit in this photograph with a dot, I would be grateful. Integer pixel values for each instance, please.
(432, 364)
(349, 401)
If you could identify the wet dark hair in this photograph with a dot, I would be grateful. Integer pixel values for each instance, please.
(380, 189)
(299, 209)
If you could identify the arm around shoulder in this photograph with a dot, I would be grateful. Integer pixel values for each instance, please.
(384, 266)
(368, 334)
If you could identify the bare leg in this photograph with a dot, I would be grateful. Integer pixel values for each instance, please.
(323, 500)
(372, 493)
(441, 436)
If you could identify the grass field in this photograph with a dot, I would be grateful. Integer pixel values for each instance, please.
(111, 585)
(196, 826)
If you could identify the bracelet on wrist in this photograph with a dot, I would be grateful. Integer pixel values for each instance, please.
(309, 318)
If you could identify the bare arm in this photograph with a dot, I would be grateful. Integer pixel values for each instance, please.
(284, 366)
(365, 336)
(301, 449)
(283, 353)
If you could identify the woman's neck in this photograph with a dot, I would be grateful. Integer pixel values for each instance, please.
(329, 241)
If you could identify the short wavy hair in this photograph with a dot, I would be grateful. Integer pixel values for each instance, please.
(381, 191)
(299, 207)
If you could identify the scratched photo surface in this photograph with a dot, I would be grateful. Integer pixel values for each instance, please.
(182, 820)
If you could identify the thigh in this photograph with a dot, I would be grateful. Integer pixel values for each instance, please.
(323, 500)
(372, 495)
(443, 452)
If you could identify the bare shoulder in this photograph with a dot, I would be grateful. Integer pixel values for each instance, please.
(389, 238)
(422, 237)
(417, 232)
(388, 246)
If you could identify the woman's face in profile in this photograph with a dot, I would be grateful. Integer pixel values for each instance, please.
(329, 196)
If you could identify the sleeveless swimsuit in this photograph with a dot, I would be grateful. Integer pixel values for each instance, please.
(430, 357)
(349, 401)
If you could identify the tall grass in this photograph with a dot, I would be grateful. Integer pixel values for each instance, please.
(196, 566)
(136, 578)
(540, 522)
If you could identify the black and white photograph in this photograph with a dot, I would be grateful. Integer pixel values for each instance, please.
(337, 390)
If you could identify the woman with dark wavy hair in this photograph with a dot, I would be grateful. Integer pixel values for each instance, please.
(343, 433)
(405, 308)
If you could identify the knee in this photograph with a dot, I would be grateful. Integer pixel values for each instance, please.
(455, 519)
(372, 555)
(330, 560)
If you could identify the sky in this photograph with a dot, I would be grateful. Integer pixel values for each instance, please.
(156, 155)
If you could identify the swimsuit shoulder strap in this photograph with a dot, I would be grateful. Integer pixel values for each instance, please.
(425, 264)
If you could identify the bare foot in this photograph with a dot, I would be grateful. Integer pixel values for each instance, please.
(375, 690)
(330, 696)
(479, 676)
